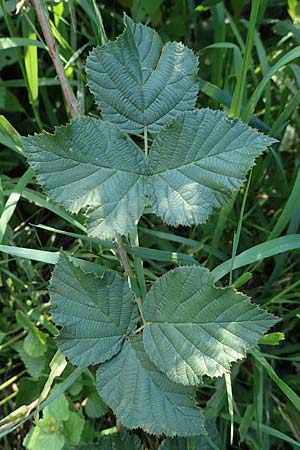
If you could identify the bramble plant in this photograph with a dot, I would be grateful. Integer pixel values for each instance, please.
(153, 347)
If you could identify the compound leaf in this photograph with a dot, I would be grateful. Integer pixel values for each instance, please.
(91, 165)
(197, 161)
(142, 396)
(196, 329)
(138, 82)
(96, 313)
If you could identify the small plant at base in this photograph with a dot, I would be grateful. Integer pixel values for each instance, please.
(153, 352)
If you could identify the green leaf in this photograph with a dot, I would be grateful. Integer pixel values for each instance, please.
(28, 390)
(142, 396)
(47, 434)
(95, 406)
(138, 82)
(35, 343)
(116, 441)
(258, 253)
(120, 441)
(91, 165)
(35, 366)
(96, 313)
(201, 442)
(272, 339)
(58, 409)
(197, 161)
(195, 164)
(73, 427)
(9, 102)
(196, 329)
(143, 8)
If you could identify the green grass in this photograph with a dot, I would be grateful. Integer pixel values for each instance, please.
(249, 68)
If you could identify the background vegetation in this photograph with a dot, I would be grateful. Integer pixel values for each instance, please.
(257, 77)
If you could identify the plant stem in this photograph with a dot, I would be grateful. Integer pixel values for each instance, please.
(13, 340)
(12, 380)
(146, 140)
(134, 238)
(127, 269)
(6, 399)
(138, 262)
(41, 12)
(236, 105)
(237, 233)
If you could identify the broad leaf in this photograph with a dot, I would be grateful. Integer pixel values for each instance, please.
(95, 406)
(197, 161)
(74, 427)
(47, 434)
(196, 329)
(139, 82)
(120, 441)
(182, 444)
(35, 366)
(58, 409)
(96, 313)
(200, 442)
(91, 165)
(142, 396)
(117, 441)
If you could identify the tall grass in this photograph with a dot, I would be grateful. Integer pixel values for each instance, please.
(250, 68)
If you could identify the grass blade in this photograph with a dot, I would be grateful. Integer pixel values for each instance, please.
(12, 201)
(287, 58)
(239, 90)
(258, 253)
(287, 391)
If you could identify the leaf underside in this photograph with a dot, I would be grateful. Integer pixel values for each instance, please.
(91, 165)
(142, 396)
(194, 329)
(195, 164)
(138, 82)
(96, 313)
(197, 161)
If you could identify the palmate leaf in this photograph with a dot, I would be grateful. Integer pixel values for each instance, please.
(195, 164)
(96, 313)
(138, 82)
(142, 396)
(194, 329)
(91, 164)
(197, 161)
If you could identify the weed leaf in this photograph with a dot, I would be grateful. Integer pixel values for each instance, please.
(142, 396)
(200, 442)
(138, 82)
(196, 329)
(91, 164)
(197, 161)
(96, 313)
(115, 441)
